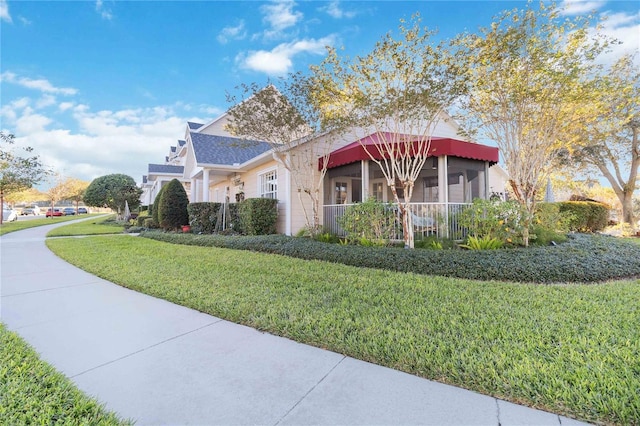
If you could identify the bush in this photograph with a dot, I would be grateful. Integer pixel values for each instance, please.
(503, 220)
(550, 224)
(155, 209)
(141, 218)
(585, 216)
(370, 221)
(258, 216)
(202, 217)
(172, 208)
(583, 258)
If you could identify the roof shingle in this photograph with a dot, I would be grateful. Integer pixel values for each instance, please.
(194, 126)
(211, 149)
(165, 168)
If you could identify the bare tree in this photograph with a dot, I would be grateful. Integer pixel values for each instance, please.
(289, 120)
(397, 94)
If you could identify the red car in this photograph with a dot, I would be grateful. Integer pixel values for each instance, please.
(56, 212)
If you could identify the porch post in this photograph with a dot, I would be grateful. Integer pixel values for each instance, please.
(486, 180)
(364, 164)
(443, 190)
(205, 185)
(288, 201)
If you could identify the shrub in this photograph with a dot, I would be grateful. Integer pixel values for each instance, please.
(202, 217)
(585, 216)
(503, 220)
(258, 216)
(583, 258)
(172, 212)
(149, 223)
(483, 243)
(370, 220)
(141, 218)
(155, 209)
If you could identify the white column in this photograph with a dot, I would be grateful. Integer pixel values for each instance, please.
(205, 186)
(443, 180)
(193, 192)
(486, 180)
(365, 179)
(288, 201)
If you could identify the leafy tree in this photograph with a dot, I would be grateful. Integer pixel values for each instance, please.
(172, 208)
(27, 196)
(399, 92)
(290, 121)
(606, 139)
(112, 191)
(75, 190)
(17, 173)
(524, 74)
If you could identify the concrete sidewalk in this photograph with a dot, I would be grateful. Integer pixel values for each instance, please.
(160, 363)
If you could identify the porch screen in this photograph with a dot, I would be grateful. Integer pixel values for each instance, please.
(466, 180)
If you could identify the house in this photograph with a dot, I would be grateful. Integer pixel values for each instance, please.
(215, 166)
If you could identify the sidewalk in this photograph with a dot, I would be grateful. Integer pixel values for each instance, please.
(160, 363)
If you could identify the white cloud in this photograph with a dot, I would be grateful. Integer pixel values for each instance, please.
(10, 110)
(4, 12)
(65, 106)
(38, 84)
(578, 7)
(24, 20)
(104, 12)
(45, 101)
(29, 123)
(232, 33)
(280, 15)
(278, 61)
(625, 28)
(334, 10)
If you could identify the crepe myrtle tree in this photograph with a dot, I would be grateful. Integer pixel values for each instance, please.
(17, 172)
(288, 118)
(398, 93)
(112, 191)
(524, 74)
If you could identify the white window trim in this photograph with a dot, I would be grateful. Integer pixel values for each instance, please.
(262, 174)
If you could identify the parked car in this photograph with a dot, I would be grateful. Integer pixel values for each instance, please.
(56, 212)
(82, 210)
(9, 215)
(35, 210)
(69, 211)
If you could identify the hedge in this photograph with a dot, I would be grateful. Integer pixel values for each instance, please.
(583, 258)
(203, 217)
(585, 216)
(172, 209)
(258, 216)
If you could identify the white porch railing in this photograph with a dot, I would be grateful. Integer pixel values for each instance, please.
(437, 219)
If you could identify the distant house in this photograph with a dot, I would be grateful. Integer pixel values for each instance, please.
(215, 166)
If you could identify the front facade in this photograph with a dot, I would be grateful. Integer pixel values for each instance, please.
(217, 167)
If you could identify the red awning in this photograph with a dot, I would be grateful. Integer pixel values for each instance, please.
(357, 151)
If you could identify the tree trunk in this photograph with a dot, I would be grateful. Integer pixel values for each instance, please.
(627, 209)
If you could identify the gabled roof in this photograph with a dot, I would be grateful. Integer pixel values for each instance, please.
(181, 142)
(165, 169)
(211, 149)
(144, 178)
(173, 149)
(194, 126)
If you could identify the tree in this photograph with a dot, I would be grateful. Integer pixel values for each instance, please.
(398, 93)
(17, 173)
(524, 73)
(290, 121)
(112, 191)
(57, 192)
(75, 190)
(606, 138)
(172, 208)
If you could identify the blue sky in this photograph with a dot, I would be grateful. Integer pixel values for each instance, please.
(99, 87)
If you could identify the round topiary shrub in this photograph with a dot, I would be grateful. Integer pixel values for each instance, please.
(172, 208)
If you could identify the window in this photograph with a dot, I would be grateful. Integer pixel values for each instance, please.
(268, 184)
(341, 192)
(378, 191)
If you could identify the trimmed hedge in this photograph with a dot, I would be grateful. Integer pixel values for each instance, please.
(203, 217)
(258, 216)
(585, 216)
(583, 258)
(172, 209)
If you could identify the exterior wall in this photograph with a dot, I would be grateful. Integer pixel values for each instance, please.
(216, 127)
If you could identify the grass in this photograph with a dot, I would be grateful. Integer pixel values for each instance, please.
(33, 392)
(569, 349)
(102, 225)
(19, 225)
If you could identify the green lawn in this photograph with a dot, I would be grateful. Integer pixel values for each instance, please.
(22, 223)
(33, 392)
(570, 349)
(101, 225)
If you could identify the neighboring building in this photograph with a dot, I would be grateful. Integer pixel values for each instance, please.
(215, 166)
